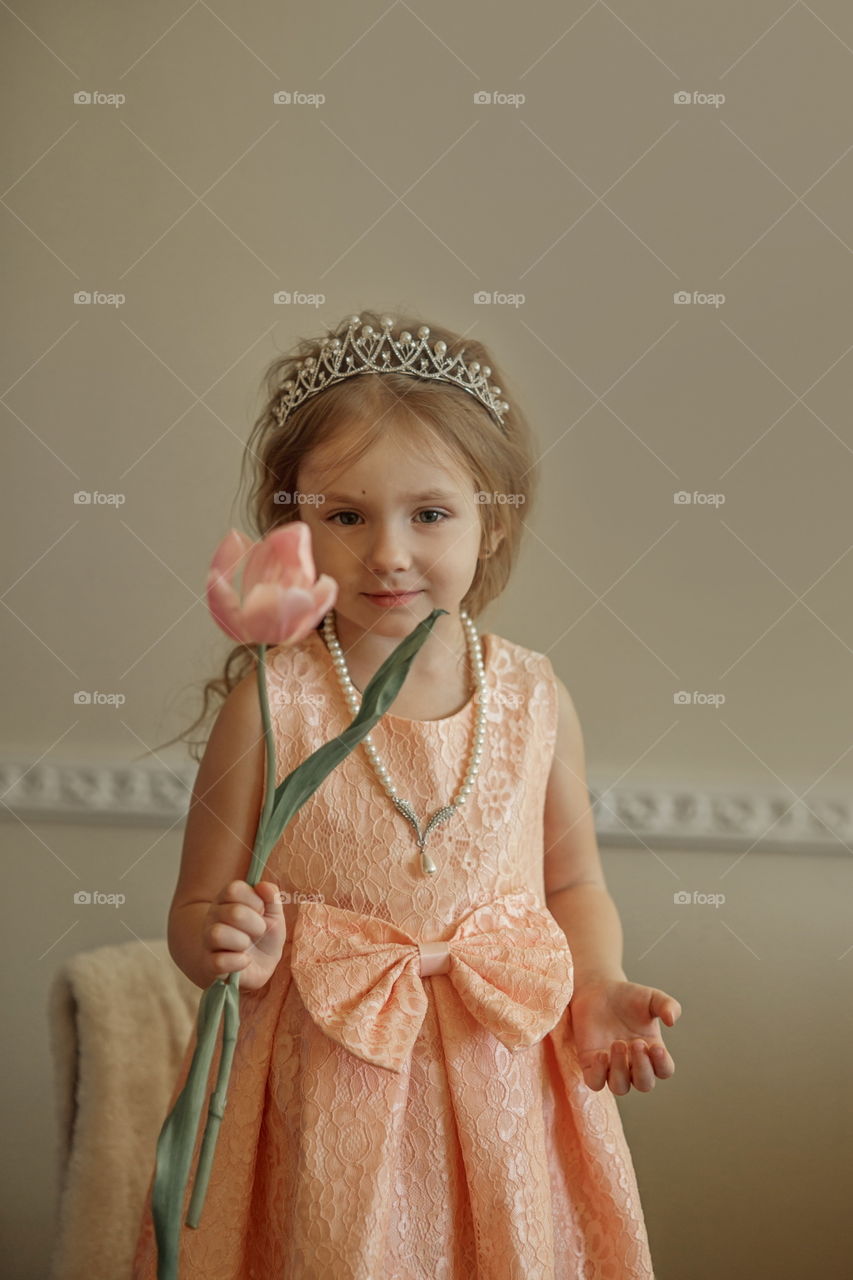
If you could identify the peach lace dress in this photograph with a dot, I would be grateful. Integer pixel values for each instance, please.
(405, 1099)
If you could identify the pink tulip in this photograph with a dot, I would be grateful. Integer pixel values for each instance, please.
(281, 601)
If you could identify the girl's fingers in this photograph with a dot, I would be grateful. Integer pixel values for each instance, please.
(642, 1071)
(226, 937)
(631, 1065)
(595, 1069)
(244, 919)
(664, 1007)
(661, 1060)
(618, 1075)
(637, 1064)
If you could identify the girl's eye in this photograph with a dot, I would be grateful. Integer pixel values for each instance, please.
(427, 511)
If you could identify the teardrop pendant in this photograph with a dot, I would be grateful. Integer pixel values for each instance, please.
(428, 867)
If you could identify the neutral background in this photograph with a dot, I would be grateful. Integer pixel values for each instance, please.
(598, 199)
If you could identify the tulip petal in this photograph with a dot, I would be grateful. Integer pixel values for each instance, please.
(273, 614)
(325, 594)
(281, 603)
(230, 552)
(284, 556)
(224, 605)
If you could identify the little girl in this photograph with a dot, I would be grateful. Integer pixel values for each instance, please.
(434, 1018)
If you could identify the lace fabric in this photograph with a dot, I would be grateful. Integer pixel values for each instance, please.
(466, 1157)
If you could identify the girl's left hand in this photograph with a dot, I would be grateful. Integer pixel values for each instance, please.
(617, 1034)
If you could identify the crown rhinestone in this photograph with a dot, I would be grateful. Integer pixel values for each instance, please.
(373, 351)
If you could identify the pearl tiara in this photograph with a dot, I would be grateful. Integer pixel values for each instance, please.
(372, 352)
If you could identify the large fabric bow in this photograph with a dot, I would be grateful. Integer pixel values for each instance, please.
(361, 978)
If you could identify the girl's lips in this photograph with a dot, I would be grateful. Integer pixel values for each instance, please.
(390, 593)
(388, 598)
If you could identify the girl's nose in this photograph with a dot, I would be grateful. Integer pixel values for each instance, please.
(388, 553)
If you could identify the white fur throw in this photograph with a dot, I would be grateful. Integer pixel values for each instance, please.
(121, 1018)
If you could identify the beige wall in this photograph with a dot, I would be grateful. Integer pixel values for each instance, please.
(597, 199)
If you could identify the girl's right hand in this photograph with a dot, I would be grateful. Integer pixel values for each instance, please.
(245, 931)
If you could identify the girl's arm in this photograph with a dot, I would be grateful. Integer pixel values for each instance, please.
(220, 832)
(615, 1023)
(575, 889)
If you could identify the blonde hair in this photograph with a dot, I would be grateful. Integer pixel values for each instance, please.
(437, 418)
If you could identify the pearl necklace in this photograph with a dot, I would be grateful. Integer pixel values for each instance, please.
(351, 694)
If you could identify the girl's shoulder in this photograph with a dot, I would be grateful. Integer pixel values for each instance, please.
(523, 673)
(508, 656)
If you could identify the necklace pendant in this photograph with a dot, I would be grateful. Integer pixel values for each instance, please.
(428, 867)
(441, 815)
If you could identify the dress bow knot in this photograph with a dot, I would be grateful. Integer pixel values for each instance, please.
(361, 978)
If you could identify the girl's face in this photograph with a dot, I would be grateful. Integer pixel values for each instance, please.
(392, 521)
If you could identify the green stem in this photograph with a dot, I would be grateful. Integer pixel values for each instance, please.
(231, 1026)
(259, 853)
(218, 1099)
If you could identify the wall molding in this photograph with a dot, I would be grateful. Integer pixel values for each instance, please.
(688, 816)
